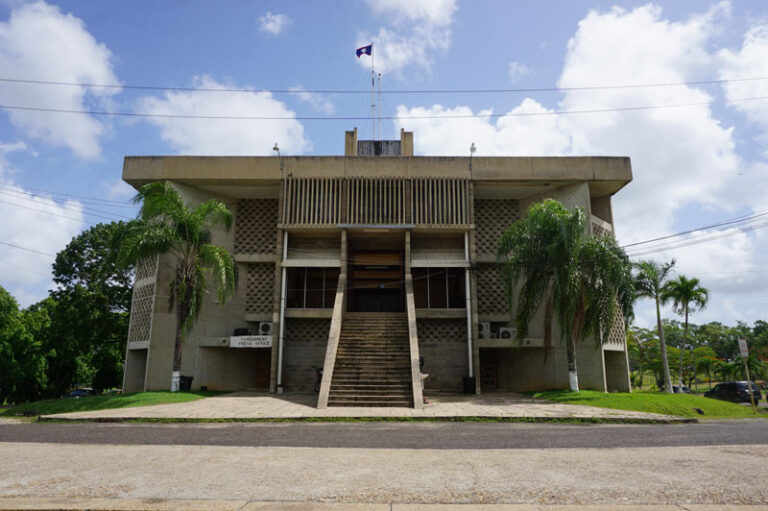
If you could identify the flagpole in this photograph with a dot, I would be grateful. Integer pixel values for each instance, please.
(373, 97)
(378, 104)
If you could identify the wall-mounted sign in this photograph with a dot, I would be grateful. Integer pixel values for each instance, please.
(250, 341)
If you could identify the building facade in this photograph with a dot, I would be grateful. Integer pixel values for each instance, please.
(366, 265)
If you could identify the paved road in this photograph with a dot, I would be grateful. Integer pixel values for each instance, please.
(396, 435)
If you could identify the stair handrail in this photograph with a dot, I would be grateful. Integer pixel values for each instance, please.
(339, 304)
(413, 342)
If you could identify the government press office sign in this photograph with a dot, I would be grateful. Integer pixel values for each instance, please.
(250, 341)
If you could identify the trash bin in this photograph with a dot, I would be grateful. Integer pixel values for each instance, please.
(469, 385)
(185, 383)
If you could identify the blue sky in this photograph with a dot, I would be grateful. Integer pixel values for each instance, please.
(693, 165)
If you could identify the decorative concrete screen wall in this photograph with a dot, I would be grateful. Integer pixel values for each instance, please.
(443, 344)
(615, 339)
(260, 288)
(367, 201)
(492, 217)
(305, 343)
(616, 336)
(256, 226)
(491, 298)
(143, 301)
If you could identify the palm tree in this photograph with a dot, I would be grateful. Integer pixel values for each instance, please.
(583, 281)
(687, 296)
(170, 227)
(650, 280)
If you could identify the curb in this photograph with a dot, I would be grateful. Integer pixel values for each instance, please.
(78, 504)
(522, 419)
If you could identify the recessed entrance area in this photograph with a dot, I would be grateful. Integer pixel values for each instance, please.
(376, 272)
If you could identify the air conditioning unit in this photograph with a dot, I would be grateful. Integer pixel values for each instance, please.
(507, 332)
(239, 332)
(265, 328)
(484, 329)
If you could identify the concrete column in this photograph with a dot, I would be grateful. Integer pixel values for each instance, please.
(473, 286)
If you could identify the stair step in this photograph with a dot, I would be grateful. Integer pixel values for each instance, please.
(371, 403)
(373, 361)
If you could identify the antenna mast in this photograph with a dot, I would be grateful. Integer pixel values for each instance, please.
(378, 119)
(373, 96)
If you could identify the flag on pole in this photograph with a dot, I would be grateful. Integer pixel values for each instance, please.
(365, 50)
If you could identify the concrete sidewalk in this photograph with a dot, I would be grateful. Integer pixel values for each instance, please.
(244, 505)
(262, 405)
(731, 474)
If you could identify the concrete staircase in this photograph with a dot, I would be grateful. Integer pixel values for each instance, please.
(373, 362)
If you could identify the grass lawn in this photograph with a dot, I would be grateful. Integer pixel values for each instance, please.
(51, 406)
(681, 405)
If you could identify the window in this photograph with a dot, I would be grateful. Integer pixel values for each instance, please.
(438, 288)
(311, 288)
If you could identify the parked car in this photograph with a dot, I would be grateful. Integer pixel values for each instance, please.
(736, 391)
(78, 393)
(681, 390)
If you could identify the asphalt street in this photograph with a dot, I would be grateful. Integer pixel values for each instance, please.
(414, 435)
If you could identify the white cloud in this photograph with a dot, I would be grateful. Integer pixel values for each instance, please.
(433, 12)
(39, 42)
(517, 71)
(683, 159)
(33, 222)
(316, 101)
(417, 31)
(524, 135)
(274, 24)
(225, 136)
(751, 61)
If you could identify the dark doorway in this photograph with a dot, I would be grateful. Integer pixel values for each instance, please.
(376, 281)
(488, 370)
(263, 359)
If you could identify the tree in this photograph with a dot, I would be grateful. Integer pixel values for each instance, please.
(705, 358)
(169, 227)
(687, 296)
(650, 280)
(22, 363)
(93, 298)
(583, 281)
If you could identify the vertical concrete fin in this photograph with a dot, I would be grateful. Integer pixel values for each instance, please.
(413, 341)
(333, 341)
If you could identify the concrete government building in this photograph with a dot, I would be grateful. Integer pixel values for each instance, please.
(363, 263)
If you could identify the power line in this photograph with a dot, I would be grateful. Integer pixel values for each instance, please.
(23, 267)
(384, 117)
(396, 91)
(62, 204)
(712, 226)
(105, 202)
(27, 249)
(14, 204)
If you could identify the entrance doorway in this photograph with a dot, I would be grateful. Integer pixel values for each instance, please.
(262, 365)
(376, 281)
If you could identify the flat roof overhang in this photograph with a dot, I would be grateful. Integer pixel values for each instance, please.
(259, 176)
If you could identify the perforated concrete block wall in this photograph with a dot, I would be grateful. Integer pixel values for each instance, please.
(256, 226)
(143, 301)
(491, 298)
(304, 349)
(260, 286)
(443, 344)
(492, 217)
